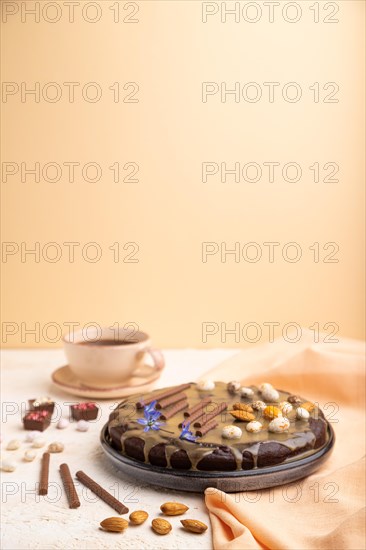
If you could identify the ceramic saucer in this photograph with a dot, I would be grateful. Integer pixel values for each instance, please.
(66, 380)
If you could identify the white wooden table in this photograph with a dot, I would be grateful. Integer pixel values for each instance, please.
(31, 521)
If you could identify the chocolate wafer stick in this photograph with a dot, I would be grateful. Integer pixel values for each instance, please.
(69, 486)
(101, 493)
(45, 468)
(170, 400)
(205, 418)
(168, 413)
(197, 414)
(167, 393)
(198, 406)
(206, 428)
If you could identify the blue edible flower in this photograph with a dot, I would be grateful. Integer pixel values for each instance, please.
(151, 418)
(186, 433)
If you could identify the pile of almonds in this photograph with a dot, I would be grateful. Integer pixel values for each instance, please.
(159, 525)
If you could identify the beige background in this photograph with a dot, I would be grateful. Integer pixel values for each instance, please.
(170, 292)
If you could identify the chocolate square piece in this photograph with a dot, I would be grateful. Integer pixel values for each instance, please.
(42, 404)
(37, 420)
(84, 411)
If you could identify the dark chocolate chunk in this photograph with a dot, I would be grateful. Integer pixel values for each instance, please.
(180, 460)
(319, 429)
(157, 455)
(248, 461)
(271, 453)
(220, 459)
(134, 447)
(115, 434)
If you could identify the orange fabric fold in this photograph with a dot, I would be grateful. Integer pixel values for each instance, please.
(327, 509)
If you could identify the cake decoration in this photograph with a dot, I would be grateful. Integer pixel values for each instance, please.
(246, 392)
(205, 418)
(186, 433)
(270, 395)
(242, 416)
(233, 387)
(259, 405)
(174, 409)
(151, 418)
(279, 425)
(285, 407)
(272, 412)
(302, 414)
(294, 399)
(140, 404)
(231, 432)
(206, 428)
(198, 407)
(206, 385)
(254, 427)
(308, 406)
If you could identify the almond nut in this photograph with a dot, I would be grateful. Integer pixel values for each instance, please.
(116, 525)
(138, 517)
(272, 412)
(243, 416)
(194, 526)
(161, 526)
(173, 508)
(242, 407)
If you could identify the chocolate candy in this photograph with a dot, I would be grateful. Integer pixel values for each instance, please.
(42, 404)
(84, 411)
(37, 420)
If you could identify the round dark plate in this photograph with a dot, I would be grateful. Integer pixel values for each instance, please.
(230, 482)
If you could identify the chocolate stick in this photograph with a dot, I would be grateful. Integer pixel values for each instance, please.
(170, 400)
(168, 413)
(69, 486)
(101, 493)
(206, 428)
(205, 418)
(198, 406)
(190, 419)
(45, 468)
(167, 393)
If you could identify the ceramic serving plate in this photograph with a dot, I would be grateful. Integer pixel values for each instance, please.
(230, 482)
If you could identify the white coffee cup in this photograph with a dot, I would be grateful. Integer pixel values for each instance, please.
(108, 357)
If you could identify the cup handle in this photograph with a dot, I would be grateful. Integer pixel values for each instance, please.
(158, 359)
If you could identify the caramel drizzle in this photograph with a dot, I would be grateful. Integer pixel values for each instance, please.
(171, 411)
(149, 399)
(198, 406)
(206, 428)
(170, 400)
(206, 418)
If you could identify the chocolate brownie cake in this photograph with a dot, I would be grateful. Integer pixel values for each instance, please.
(214, 426)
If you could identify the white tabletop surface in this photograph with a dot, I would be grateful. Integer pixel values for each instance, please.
(31, 521)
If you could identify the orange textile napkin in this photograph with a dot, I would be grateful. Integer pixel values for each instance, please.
(327, 509)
